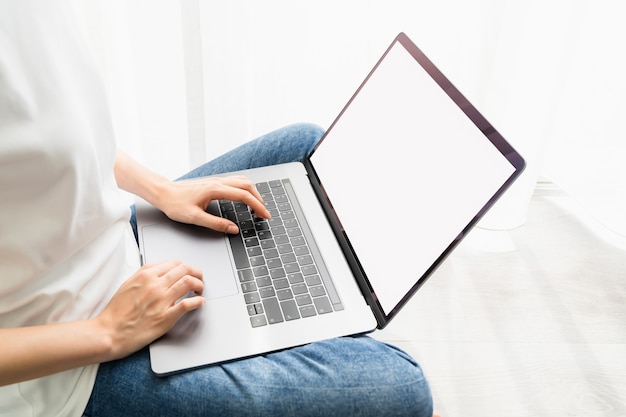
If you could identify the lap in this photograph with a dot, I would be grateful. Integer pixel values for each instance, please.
(343, 376)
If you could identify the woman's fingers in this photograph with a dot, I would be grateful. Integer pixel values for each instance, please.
(228, 188)
(186, 201)
(175, 271)
(200, 217)
(239, 189)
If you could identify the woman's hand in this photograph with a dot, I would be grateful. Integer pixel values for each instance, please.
(186, 201)
(148, 305)
(144, 308)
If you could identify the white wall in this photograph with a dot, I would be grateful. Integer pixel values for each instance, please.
(276, 62)
(190, 79)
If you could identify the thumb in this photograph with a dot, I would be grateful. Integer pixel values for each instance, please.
(219, 224)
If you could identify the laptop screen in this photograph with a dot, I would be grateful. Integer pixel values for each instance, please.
(408, 167)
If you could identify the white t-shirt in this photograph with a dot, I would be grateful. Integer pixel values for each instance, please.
(65, 242)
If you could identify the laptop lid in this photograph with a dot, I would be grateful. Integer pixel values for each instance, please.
(425, 166)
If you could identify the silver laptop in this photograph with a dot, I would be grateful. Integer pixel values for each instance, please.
(400, 177)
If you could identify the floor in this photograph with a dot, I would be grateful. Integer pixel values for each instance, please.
(529, 322)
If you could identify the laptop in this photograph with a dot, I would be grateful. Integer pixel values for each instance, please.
(400, 177)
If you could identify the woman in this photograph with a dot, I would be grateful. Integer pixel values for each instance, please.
(76, 309)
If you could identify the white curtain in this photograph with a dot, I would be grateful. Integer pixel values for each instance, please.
(190, 79)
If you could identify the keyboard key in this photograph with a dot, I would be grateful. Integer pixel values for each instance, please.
(286, 248)
(239, 251)
(288, 257)
(272, 310)
(252, 297)
(300, 250)
(245, 275)
(289, 223)
(303, 299)
(252, 241)
(299, 288)
(308, 311)
(262, 225)
(290, 310)
(274, 263)
(257, 261)
(278, 191)
(305, 260)
(243, 215)
(284, 206)
(309, 270)
(246, 233)
(267, 292)
(281, 198)
(279, 230)
(278, 273)
(294, 232)
(281, 283)
(275, 221)
(322, 304)
(274, 213)
(284, 294)
(248, 286)
(263, 281)
(317, 290)
(259, 271)
(258, 321)
(247, 224)
(281, 240)
(254, 251)
(312, 280)
(295, 278)
(263, 187)
(268, 244)
(226, 206)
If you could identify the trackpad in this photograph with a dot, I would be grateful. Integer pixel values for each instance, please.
(197, 246)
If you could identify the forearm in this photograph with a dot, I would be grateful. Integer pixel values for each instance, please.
(33, 352)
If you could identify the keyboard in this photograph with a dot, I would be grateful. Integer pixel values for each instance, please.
(280, 270)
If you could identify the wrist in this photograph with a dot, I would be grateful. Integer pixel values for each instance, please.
(106, 347)
(159, 194)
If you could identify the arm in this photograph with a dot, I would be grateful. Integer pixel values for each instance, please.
(143, 309)
(186, 201)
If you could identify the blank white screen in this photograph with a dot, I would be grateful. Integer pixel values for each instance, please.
(406, 171)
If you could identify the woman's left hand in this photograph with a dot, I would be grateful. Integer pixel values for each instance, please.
(186, 201)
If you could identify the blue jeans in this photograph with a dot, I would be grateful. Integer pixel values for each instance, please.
(348, 376)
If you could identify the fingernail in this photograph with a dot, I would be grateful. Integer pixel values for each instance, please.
(233, 230)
